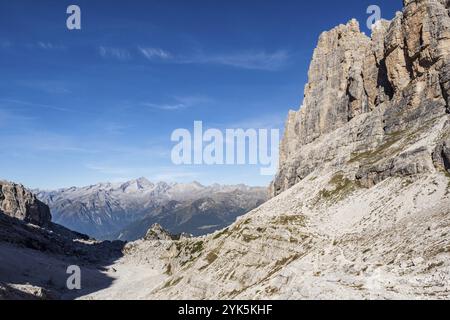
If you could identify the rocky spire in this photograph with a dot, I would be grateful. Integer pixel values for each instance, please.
(402, 73)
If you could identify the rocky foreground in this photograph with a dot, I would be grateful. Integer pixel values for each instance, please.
(361, 203)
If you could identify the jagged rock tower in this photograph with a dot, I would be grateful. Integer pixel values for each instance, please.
(376, 91)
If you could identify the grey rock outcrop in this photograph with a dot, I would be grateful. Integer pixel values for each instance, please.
(378, 91)
(441, 155)
(19, 203)
(156, 232)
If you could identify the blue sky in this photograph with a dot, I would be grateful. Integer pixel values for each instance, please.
(100, 104)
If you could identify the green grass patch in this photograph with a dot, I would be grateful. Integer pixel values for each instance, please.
(197, 247)
(172, 282)
(447, 174)
(211, 257)
(298, 220)
(282, 263)
(168, 270)
(222, 233)
(271, 291)
(372, 156)
(293, 240)
(342, 187)
(249, 237)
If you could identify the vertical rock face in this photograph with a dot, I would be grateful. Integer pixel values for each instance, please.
(399, 78)
(335, 91)
(19, 203)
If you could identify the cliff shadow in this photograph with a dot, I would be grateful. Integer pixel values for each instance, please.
(34, 261)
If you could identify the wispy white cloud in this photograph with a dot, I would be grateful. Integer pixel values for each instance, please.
(50, 46)
(252, 60)
(249, 59)
(154, 53)
(165, 107)
(180, 103)
(115, 53)
(39, 45)
(193, 100)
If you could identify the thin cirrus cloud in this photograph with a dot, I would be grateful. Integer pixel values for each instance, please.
(180, 103)
(42, 45)
(115, 53)
(251, 60)
(165, 107)
(154, 53)
(50, 46)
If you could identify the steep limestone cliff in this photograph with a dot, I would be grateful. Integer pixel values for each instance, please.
(398, 80)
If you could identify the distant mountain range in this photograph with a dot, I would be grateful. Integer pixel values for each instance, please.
(125, 211)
